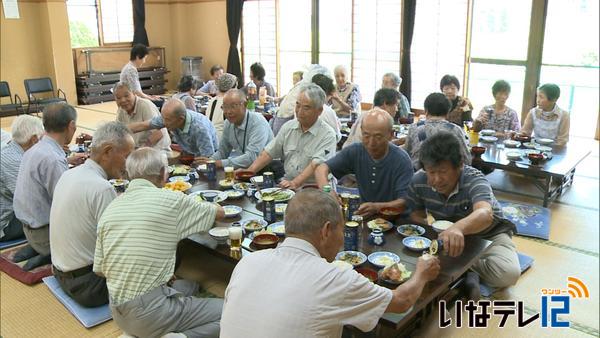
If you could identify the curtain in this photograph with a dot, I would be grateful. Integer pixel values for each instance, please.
(234, 23)
(408, 26)
(139, 23)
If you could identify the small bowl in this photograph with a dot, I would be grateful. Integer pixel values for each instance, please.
(220, 234)
(535, 159)
(186, 159)
(234, 194)
(390, 213)
(244, 175)
(259, 220)
(522, 138)
(488, 132)
(179, 178)
(232, 211)
(369, 273)
(265, 241)
(544, 141)
(415, 230)
(513, 155)
(416, 243)
(441, 225)
(477, 151)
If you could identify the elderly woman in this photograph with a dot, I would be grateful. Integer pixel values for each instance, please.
(461, 106)
(257, 75)
(187, 88)
(346, 99)
(393, 81)
(548, 120)
(498, 116)
(214, 112)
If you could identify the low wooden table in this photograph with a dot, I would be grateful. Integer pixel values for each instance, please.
(551, 177)
(451, 268)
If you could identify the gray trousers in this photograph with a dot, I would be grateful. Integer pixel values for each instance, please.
(165, 310)
(38, 238)
(499, 266)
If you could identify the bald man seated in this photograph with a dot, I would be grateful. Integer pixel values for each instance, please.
(383, 171)
(191, 130)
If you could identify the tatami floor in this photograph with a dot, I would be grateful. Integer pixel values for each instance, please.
(571, 251)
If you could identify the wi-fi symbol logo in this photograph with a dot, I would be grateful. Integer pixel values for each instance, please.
(577, 288)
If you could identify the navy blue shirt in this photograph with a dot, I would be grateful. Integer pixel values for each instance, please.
(378, 181)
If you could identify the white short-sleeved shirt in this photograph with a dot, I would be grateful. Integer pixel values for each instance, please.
(303, 296)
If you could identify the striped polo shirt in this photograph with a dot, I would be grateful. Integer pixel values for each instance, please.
(138, 235)
(472, 187)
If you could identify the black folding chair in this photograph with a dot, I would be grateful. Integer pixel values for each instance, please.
(15, 107)
(34, 87)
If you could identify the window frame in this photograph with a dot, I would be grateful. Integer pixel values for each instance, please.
(99, 24)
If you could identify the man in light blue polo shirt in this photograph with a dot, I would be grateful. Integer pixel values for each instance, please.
(245, 133)
(383, 171)
(192, 131)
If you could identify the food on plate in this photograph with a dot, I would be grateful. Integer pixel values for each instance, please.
(351, 258)
(379, 223)
(419, 244)
(411, 230)
(180, 170)
(226, 183)
(178, 186)
(396, 272)
(384, 260)
(234, 194)
(253, 225)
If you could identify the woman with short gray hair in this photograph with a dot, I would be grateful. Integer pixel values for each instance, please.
(393, 81)
(346, 99)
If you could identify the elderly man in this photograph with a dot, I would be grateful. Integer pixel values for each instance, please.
(301, 144)
(304, 295)
(137, 109)
(385, 99)
(393, 81)
(26, 131)
(383, 171)
(437, 107)
(192, 131)
(135, 251)
(450, 190)
(80, 198)
(41, 167)
(245, 134)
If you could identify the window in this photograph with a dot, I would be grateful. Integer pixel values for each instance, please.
(377, 43)
(570, 60)
(294, 40)
(95, 23)
(438, 46)
(117, 21)
(335, 34)
(498, 50)
(259, 38)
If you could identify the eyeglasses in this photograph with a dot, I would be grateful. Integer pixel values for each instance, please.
(230, 106)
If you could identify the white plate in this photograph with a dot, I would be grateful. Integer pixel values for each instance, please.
(221, 195)
(232, 211)
(179, 178)
(488, 132)
(512, 143)
(543, 148)
(278, 228)
(529, 145)
(290, 193)
(383, 258)
(513, 155)
(544, 141)
(488, 139)
(441, 225)
(262, 222)
(234, 194)
(353, 254)
(219, 232)
(280, 208)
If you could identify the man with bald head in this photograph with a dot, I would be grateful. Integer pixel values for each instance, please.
(191, 130)
(383, 171)
(304, 295)
(245, 133)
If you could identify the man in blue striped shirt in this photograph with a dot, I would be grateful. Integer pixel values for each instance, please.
(26, 131)
(452, 191)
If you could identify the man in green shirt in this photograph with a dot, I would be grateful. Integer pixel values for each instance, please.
(135, 251)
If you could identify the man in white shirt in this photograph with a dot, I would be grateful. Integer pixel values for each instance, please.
(80, 197)
(304, 295)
